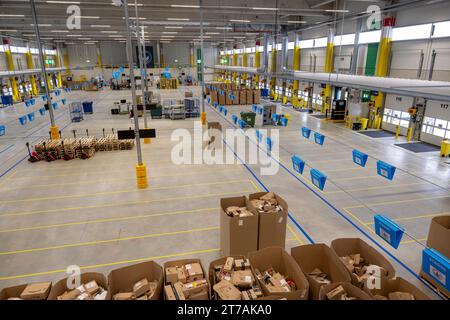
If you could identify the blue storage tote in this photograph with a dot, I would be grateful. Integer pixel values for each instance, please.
(30, 116)
(209, 100)
(306, 132)
(215, 104)
(360, 158)
(387, 229)
(254, 108)
(225, 111)
(437, 266)
(32, 101)
(269, 144)
(63, 101)
(7, 100)
(67, 89)
(284, 121)
(319, 138)
(44, 97)
(259, 136)
(260, 110)
(275, 118)
(298, 164)
(385, 170)
(241, 123)
(27, 103)
(264, 92)
(42, 111)
(88, 107)
(2, 130)
(318, 178)
(55, 105)
(234, 118)
(23, 120)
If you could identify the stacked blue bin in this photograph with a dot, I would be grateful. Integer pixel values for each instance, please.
(23, 120)
(298, 164)
(388, 230)
(269, 144)
(234, 118)
(88, 107)
(306, 132)
(30, 116)
(318, 178)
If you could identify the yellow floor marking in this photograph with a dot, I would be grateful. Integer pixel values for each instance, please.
(114, 240)
(395, 202)
(8, 178)
(115, 263)
(104, 180)
(116, 204)
(412, 241)
(255, 186)
(295, 235)
(364, 177)
(126, 218)
(374, 188)
(414, 217)
(349, 169)
(357, 219)
(89, 195)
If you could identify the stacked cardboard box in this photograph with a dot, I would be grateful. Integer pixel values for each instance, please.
(232, 279)
(278, 274)
(342, 291)
(361, 260)
(142, 281)
(93, 286)
(185, 280)
(321, 265)
(32, 291)
(395, 289)
(272, 211)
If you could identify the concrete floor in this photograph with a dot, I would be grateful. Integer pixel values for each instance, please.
(90, 213)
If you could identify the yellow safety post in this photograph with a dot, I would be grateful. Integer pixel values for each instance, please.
(203, 118)
(234, 65)
(10, 63)
(273, 69)
(381, 70)
(329, 66)
(244, 64)
(397, 132)
(99, 57)
(141, 175)
(288, 118)
(58, 65)
(30, 65)
(445, 148)
(54, 132)
(296, 66)
(257, 63)
(409, 135)
(227, 57)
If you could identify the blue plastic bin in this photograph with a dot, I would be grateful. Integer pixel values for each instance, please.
(318, 178)
(42, 111)
(67, 89)
(319, 138)
(241, 123)
(306, 132)
(387, 229)
(298, 164)
(284, 121)
(30, 116)
(209, 100)
(269, 144)
(359, 158)
(23, 120)
(63, 101)
(57, 92)
(27, 103)
(7, 100)
(437, 266)
(254, 108)
(2, 130)
(275, 118)
(44, 97)
(88, 107)
(385, 170)
(75, 86)
(234, 118)
(264, 92)
(220, 109)
(260, 110)
(225, 111)
(55, 105)
(32, 101)
(215, 104)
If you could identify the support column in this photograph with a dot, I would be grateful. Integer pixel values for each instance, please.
(30, 65)
(58, 65)
(10, 63)
(47, 75)
(191, 55)
(234, 64)
(284, 51)
(66, 62)
(257, 63)
(244, 64)
(99, 57)
(296, 67)
(382, 68)
(273, 68)
(329, 66)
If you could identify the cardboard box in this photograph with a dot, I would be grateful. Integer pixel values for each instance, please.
(243, 279)
(196, 289)
(194, 272)
(238, 235)
(348, 246)
(141, 287)
(123, 279)
(221, 99)
(171, 275)
(256, 96)
(272, 226)
(249, 96)
(12, 292)
(312, 256)
(398, 284)
(241, 264)
(282, 262)
(171, 293)
(350, 289)
(36, 291)
(242, 97)
(226, 291)
(215, 265)
(236, 96)
(228, 100)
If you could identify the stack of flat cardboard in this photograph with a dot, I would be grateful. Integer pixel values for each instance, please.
(185, 280)
(233, 279)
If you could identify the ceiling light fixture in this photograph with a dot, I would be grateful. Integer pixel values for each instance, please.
(4, 30)
(169, 32)
(173, 27)
(106, 31)
(184, 6)
(268, 9)
(296, 21)
(87, 17)
(332, 10)
(11, 15)
(60, 31)
(64, 2)
(100, 26)
(237, 20)
(42, 25)
(178, 19)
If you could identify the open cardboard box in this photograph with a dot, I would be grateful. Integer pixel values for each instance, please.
(352, 291)
(61, 286)
(12, 292)
(182, 262)
(238, 235)
(283, 263)
(320, 256)
(123, 279)
(347, 246)
(272, 227)
(394, 285)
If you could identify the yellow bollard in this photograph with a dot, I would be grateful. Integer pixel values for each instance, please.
(147, 140)
(397, 132)
(203, 118)
(54, 132)
(141, 175)
(409, 136)
(288, 117)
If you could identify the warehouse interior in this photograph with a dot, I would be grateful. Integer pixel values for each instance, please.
(116, 159)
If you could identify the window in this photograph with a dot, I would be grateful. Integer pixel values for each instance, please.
(436, 127)
(421, 31)
(441, 29)
(291, 45)
(396, 117)
(321, 42)
(370, 37)
(344, 40)
(306, 44)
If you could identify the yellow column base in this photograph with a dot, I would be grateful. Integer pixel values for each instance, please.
(141, 175)
(409, 135)
(203, 118)
(397, 132)
(147, 140)
(54, 132)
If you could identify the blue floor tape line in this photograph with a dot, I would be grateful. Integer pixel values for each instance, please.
(8, 147)
(343, 216)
